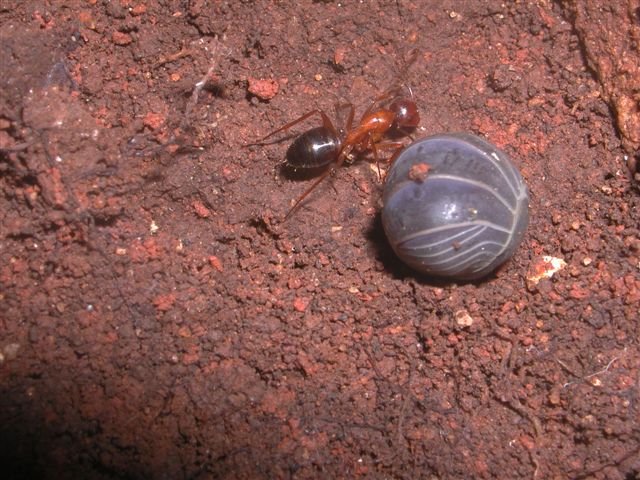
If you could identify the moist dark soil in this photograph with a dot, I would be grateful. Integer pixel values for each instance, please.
(159, 320)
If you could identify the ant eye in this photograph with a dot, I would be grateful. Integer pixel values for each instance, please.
(406, 113)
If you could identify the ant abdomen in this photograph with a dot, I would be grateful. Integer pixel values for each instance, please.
(314, 148)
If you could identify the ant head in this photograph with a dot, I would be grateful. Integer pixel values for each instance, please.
(406, 113)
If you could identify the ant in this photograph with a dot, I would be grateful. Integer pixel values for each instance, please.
(328, 146)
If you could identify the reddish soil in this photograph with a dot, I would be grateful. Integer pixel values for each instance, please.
(158, 321)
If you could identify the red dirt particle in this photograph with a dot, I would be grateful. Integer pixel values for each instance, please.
(87, 19)
(481, 466)
(507, 306)
(264, 89)
(164, 302)
(300, 304)
(173, 148)
(52, 187)
(323, 259)
(154, 120)
(579, 292)
(216, 263)
(45, 20)
(309, 90)
(228, 173)
(111, 337)
(419, 172)
(146, 250)
(120, 38)
(575, 464)
(624, 382)
(190, 358)
(275, 400)
(285, 246)
(138, 10)
(307, 364)
(338, 56)
(201, 210)
(527, 442)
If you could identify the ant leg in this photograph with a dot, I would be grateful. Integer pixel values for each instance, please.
(376, 147)
(413, 56)
(339, 110)
(408, 132)
(399, 147)
(352, 112)
(296, 205)
(388, 146)
(398, 83)
(377, 157)
(388, 93)
(341, 158)
(326, 122)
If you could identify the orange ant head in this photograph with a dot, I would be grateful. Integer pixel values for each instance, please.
(406, 113)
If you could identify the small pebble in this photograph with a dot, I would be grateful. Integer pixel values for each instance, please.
(154, 120)
(216, 263)
(300, 304)
(120, 38)
(138, 10)
(501, 78)
(200, 209)
(545, 267)
(463, 318)
(264, 89)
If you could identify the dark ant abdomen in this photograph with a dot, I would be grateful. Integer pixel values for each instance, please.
(314, 148)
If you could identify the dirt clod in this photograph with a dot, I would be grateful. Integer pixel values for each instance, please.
(121, 38)
(264, 89)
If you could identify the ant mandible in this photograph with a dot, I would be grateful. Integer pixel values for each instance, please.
(328, 146)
